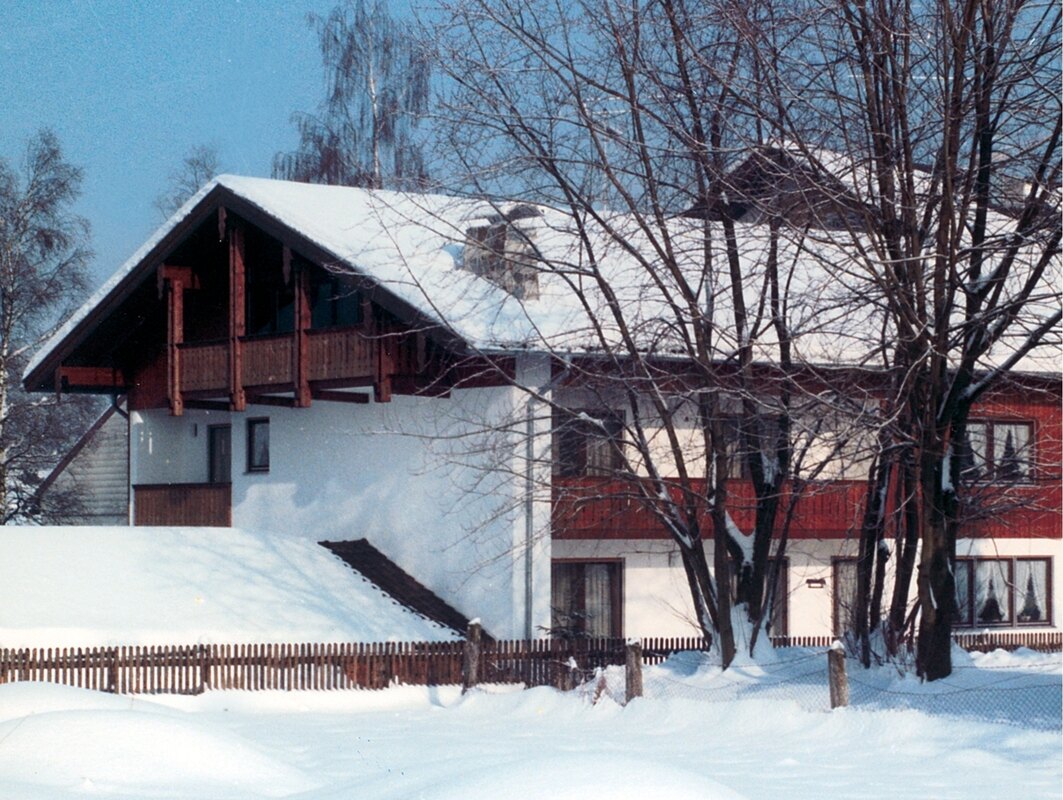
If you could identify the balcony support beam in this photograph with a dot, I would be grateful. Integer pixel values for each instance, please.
(237, 320)
(301, 345)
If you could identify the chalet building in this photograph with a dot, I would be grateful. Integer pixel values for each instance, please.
(346, 364)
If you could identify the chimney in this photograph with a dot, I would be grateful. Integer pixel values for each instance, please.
(503, 251)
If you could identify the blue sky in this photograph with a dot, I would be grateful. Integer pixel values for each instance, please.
(129, 87)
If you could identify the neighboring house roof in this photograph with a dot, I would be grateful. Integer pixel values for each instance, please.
(78, 586)
(411, 249)
(388, 576)
(96, 469)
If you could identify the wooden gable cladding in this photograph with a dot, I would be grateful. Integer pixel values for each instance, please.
(281, 345)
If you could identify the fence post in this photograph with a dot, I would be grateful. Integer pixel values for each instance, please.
(470, 663)
(633, 670)
(839, 683)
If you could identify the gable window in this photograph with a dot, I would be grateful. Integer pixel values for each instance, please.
(997, 451)
(585, 599)
(332, 303)
(258, 445)
(588, 444)
(219, 454)
(1002, 591)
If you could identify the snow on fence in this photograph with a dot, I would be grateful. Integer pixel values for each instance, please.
(190, 669)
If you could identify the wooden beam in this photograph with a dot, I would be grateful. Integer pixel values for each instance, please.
(237, 321)
(207, 405)
(175, 335)
(301, 344)
(89, 377)
(169, 272)
(270, 400)
(339, 397)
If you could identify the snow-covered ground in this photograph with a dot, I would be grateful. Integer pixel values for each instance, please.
(758, 731)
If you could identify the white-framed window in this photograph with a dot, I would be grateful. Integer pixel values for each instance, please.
(1003, 591)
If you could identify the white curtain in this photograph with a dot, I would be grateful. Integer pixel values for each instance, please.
(562, 589)
(598, 600)
(963, 597)
(1031, 584)
(992, 592)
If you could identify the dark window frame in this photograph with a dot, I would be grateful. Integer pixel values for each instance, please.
(616, 596)
(968, 618)
(212, 460)
(574, 438)
(990, 472)
(836, 602)
(342, 305)
(255, 424)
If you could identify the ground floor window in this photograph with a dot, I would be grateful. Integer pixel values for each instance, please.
(586, 598)
(219, 454)
(843, 581)
(258, 445)
(1003, 591)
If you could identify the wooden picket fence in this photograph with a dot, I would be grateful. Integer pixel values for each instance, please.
(191, 669)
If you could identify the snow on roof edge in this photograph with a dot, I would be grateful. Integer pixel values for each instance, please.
(108, 286)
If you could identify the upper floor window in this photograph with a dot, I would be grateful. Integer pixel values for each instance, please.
(1002, 591)
(997, 451)
(332, 303)
(588, 443)
(258, 445)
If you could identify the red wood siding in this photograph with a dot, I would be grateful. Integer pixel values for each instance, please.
(598, 508)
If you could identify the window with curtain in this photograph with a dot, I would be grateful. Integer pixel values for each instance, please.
(1002, 591)
(997, 451)
(588, 444)
(585, 599)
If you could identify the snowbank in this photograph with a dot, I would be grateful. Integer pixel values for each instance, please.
(75, 587)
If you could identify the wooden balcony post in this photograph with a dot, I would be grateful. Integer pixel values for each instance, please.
(175, 335)
(301, 345)
(172, 282)
(237, 321)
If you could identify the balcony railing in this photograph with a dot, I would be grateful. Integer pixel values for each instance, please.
(600, 508)
(267, 361)
(196, 504)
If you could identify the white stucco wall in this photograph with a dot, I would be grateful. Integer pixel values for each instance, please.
(436, 484)
(657, 602)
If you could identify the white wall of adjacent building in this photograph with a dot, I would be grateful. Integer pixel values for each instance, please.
(657, 600)
(436, 484)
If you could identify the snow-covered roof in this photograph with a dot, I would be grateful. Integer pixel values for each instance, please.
(413, 246)
(82, 586)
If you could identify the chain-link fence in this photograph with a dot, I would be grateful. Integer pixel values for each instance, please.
(1027, 696)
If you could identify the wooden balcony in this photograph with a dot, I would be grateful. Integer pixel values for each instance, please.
(197, 504)
(600, 508)
(267, 361)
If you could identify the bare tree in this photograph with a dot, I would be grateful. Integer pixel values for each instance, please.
(197, 167)
(889, 142)
(377, 89)
(942, 120)
(43, 256)
(631, 122)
